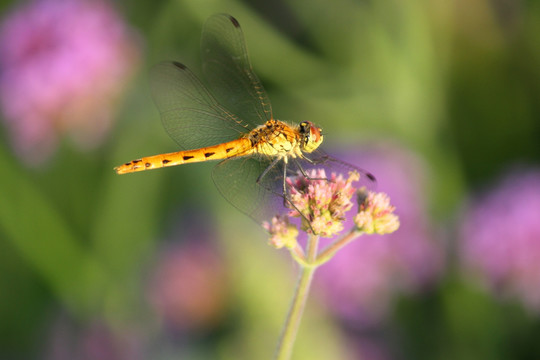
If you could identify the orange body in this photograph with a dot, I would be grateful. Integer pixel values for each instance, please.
(239, 147)
(274, 139)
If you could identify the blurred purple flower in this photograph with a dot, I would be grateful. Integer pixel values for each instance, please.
(500, 238)
(94, 340)
(358, 283)
(369, 348)
(189, 288)
(63, 66)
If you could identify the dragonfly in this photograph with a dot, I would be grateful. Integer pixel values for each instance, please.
(231, 122)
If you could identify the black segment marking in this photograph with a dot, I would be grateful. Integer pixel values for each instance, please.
(187, 157)
(127, 164)
(147, 165)
(179, 65)
(234, 22)
(165, 161)
(228, 149)
(208, 154)
(136, 161)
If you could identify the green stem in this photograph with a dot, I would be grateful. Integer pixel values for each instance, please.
(331, 250)
(292, 323)
(298, 255)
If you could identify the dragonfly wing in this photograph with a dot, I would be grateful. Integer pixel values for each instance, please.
(228, 71)
(190, 114)
(321, 160)
(236, 179)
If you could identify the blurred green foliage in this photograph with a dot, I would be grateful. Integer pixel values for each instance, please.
(458, 82)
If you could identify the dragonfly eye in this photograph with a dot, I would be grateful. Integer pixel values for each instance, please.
(305, 131)
(311, 136)
(305, 127)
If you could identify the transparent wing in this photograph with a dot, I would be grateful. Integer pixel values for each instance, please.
(190, 114)
(321, 160)
(236, 180)
(228, 71)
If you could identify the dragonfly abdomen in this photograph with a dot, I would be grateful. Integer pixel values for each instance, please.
(239, 147)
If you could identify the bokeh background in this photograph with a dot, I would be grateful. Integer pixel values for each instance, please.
(439, 99)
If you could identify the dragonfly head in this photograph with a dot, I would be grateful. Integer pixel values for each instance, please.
(311, 136)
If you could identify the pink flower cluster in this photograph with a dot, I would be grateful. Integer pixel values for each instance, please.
(500, 238)
(282, 232)
(322, 201)
(376, 215)
(63, 66)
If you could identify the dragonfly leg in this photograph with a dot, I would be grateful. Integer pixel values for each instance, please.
(303, 172)
(284, 194)
(270, 167)
(315, 162)
(284, 183)
(285, 179)
(286, 199)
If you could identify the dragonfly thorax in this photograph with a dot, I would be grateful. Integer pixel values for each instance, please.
(277, 138)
